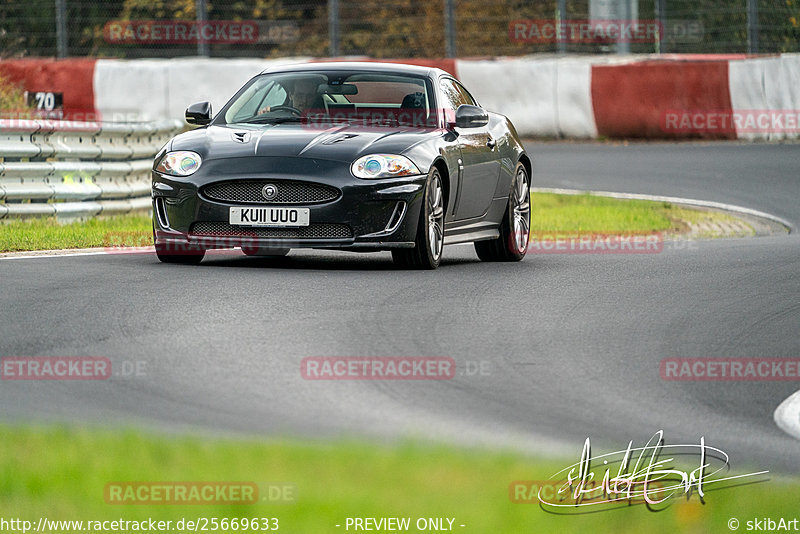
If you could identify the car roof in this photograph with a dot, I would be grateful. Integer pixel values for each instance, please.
(367, 66)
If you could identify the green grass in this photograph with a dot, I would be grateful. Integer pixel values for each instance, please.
(61, 473)
(551, 213)
(586, 213)
(12, 100)
(48, 234)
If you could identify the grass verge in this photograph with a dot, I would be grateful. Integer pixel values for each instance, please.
(61, 473)
(551, 213)
(587, 213)
(48, 234)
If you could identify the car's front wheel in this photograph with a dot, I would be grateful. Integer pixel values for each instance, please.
(265, 252)
(429, 241)
(177, 253)
(512, 244)
(193, 257)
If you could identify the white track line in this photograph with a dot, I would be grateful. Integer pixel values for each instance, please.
(110, 251)
(673, 200)
(33, 254)
(49, 254)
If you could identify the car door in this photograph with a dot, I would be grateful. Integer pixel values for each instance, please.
(478, 154)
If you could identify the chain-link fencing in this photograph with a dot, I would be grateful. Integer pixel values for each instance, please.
(393, 28)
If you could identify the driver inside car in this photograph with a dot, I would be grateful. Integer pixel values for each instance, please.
(302, 95)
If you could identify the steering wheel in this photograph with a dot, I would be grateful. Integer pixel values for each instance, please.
(286, 108)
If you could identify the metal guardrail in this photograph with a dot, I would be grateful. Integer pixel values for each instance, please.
(77, 169)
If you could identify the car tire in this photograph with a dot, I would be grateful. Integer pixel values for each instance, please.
(187, 256)
(512, 244)
(265, 253)
(429, 241)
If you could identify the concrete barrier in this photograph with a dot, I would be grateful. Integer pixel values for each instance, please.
(761, 86)
(520, 90)
(547, 97)
(158, 89)
(633, 100)
(71, 78)
(552, 96)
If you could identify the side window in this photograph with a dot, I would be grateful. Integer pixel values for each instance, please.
(452, 98)
(466, 98)
(452, 95)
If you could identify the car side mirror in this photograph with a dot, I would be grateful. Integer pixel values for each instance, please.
(471, 116)
(199, 113)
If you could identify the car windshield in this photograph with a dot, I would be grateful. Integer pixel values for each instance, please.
(370, 98)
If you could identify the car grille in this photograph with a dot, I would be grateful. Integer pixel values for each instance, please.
(313, 231)
(289, 192)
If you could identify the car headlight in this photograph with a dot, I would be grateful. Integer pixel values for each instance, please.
(179, 163)
(383, 166)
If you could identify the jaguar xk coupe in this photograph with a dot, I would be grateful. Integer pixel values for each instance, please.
(351, 156)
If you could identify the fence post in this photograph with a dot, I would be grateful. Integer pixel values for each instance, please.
(333, 26)
(61, 29)
(450, 28)
(202, 16)
(562, 16)
(623, 46)
(752, 26)
(661, 19)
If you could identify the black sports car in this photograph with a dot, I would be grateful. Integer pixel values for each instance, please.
(352, 156)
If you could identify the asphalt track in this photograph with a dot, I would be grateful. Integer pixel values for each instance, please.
(571, 344)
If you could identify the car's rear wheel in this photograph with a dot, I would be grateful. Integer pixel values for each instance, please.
(429, 241)
(512, 244)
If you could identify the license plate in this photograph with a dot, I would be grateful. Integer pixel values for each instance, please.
(282, 217)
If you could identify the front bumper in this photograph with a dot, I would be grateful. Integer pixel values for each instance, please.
(368, 215)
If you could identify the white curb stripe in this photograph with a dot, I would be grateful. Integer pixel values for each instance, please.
(29, 255)
(66, 253)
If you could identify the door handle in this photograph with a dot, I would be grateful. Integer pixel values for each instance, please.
(491, 142)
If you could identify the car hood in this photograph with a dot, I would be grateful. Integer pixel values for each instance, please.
(339, 142)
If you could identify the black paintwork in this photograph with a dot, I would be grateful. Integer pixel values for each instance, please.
(476, 163)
